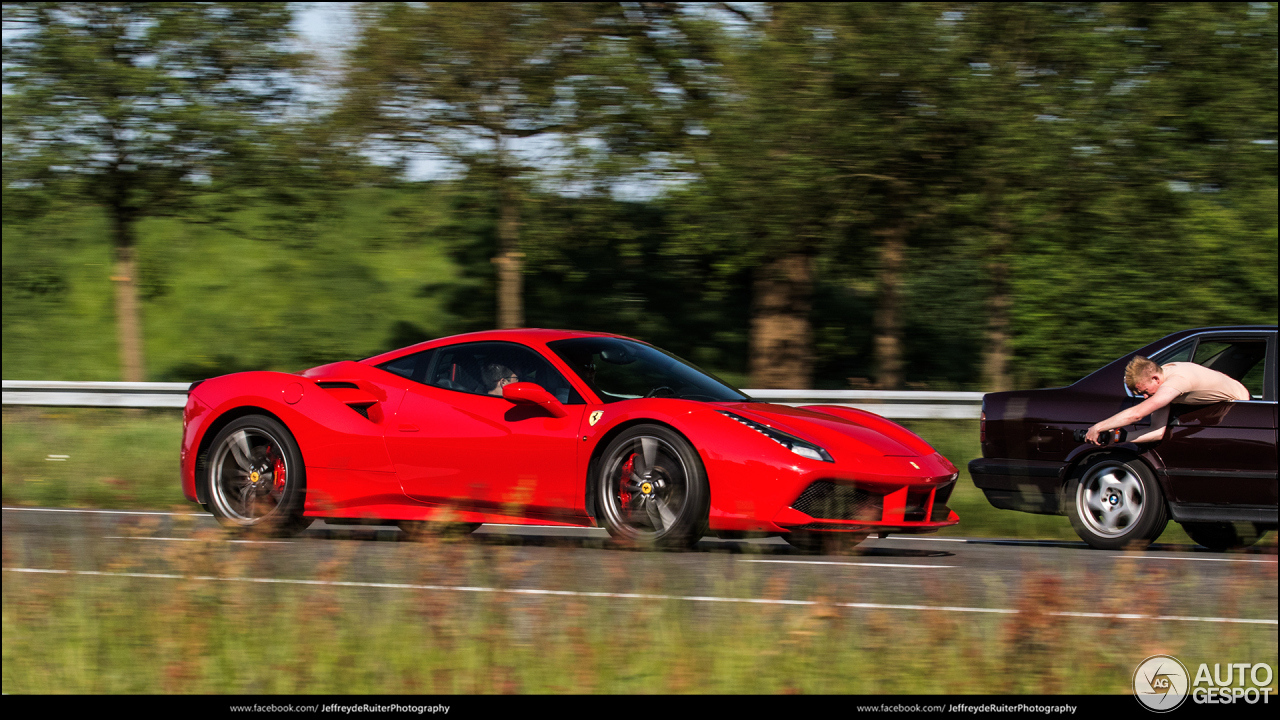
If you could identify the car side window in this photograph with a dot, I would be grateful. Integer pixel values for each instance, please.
(483, 368)
(413, 367)
(1242, 359)
(1181, 353)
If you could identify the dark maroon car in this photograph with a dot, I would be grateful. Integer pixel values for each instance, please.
(1214, 471)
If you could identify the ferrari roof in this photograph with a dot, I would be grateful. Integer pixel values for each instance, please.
(539, 336)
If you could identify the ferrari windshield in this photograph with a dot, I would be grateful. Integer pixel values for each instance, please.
(617, 369)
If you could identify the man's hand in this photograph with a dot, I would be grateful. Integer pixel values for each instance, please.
(1160, 400)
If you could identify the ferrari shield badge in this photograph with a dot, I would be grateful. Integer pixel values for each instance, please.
(595, 417)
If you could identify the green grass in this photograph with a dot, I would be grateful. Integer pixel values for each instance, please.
(117, 459)
(94, 634)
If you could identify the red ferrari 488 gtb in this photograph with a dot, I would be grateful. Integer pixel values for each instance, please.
(552, 428)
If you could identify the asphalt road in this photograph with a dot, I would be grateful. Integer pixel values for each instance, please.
(1163, 584)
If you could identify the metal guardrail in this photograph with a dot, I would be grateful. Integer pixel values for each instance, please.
(896, 404)
(95, 394)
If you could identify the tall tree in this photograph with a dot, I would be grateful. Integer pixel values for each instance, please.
(1119, 156)
(482, 83)
(767, 192)
(825, 144)
(139, 105)
(469, 81)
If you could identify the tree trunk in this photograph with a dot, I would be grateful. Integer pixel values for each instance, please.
(510, 261)
(995, 362)
(781, 336)
(128, 320)
(888, 345)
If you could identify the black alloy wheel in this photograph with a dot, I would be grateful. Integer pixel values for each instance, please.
(652, 489)
(255, 477)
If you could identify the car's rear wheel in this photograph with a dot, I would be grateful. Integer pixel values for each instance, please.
(1223, 536)
(652, 489)
(255, 476)
(823, 543)
(1115, 503)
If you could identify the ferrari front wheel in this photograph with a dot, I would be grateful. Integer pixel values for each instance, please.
(255, 477)
(652, 489)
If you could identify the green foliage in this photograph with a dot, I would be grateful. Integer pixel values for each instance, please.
(1109, 170)
(137, 104)
(72, 635)
(231, 296)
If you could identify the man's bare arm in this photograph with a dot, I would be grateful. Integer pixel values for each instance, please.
(1129, 416)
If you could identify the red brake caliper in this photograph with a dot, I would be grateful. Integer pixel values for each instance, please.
(277, 473)
(627, 468)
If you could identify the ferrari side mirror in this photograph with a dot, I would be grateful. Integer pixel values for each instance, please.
(528, 393)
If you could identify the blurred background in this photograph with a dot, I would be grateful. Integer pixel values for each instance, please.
(942, 196)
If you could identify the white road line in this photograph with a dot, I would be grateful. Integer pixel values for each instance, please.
(174, 539)
(1161, 557)
(1052, 543)
(859, 564)
(920, 539)
(109, 512)
(624, 596)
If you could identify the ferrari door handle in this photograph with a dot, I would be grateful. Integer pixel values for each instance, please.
(408, 428)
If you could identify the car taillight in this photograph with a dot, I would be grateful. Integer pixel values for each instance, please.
(982, 427)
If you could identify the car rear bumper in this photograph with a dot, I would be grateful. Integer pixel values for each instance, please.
(1033, 486)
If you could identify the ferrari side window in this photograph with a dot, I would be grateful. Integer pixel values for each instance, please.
(412, 367)
(484, 368)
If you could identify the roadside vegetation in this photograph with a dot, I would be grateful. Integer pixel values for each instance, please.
(215, 636)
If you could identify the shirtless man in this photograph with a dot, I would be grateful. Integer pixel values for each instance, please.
(1163, 385)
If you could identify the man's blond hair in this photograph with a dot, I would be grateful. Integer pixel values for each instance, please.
(1139, 368)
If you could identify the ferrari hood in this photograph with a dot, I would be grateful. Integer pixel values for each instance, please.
(860, 433)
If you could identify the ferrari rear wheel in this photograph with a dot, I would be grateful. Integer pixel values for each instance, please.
(823, 543)
(255, 478)
(1114, 503)
(1223, 536)
(652, 489)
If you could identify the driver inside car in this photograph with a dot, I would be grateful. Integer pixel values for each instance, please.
(1162, 385)
(497, 376)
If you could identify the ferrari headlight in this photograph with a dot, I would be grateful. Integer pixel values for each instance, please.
(803, 448)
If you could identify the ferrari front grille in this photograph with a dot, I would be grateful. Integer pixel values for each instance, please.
(825, 499)
(917, 504)
(940, 511)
